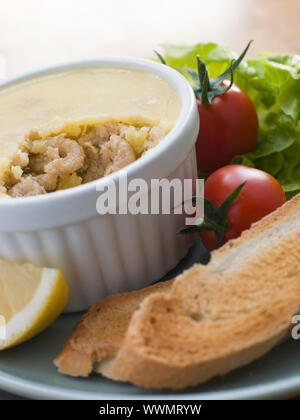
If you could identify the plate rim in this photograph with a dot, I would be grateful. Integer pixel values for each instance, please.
(282, 388)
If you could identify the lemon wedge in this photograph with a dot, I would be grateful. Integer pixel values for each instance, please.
(31, 298)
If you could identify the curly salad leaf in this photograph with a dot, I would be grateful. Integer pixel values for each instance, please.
(273, 83)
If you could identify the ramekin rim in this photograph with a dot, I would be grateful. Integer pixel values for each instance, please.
(173, 77)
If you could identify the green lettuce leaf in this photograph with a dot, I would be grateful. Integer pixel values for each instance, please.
(273, 84)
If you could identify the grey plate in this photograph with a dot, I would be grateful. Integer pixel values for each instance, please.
(28, 371)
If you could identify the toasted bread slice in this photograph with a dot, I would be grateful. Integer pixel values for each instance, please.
(214, 319)
(100, 332)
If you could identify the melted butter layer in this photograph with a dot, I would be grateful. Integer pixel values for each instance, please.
(48, 103)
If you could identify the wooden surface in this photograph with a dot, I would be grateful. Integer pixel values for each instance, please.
(35, 33)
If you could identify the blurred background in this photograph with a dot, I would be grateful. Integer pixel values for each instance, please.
(35, 33)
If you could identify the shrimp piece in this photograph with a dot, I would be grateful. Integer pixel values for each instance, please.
(45, 154)
(26, 187)
(48, 181)
(20, 159)
(116, 154)
(71, 156)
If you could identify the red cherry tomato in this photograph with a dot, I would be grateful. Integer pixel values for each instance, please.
(228, 127)
(261, 195)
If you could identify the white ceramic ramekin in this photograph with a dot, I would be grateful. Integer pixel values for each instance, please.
(106, 254)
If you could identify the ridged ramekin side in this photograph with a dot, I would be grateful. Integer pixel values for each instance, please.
(106, 254)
